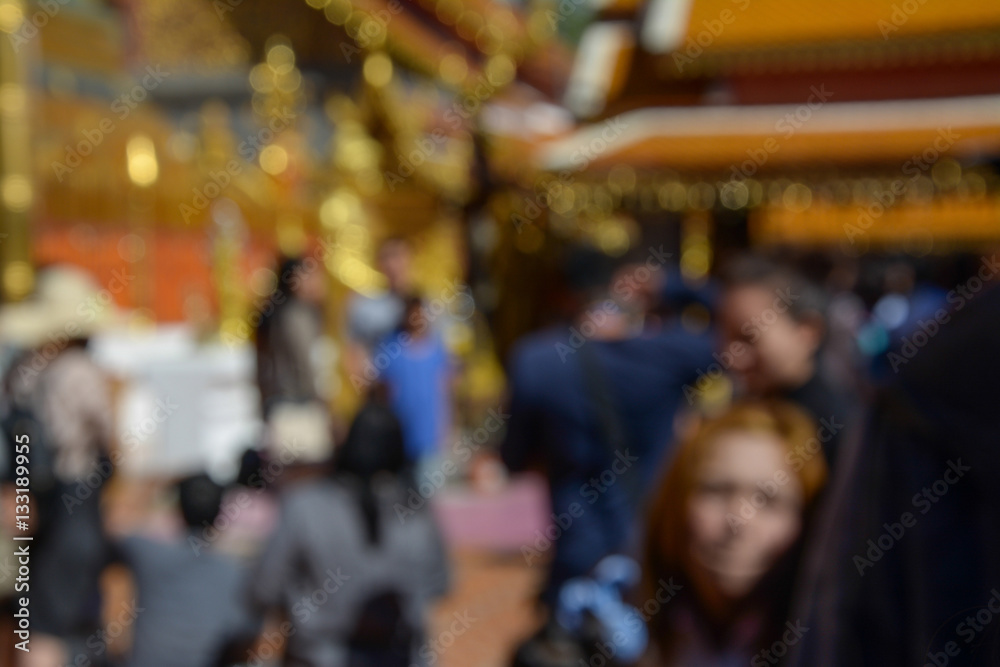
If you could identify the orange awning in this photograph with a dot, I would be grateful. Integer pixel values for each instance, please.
(761, 138)
(769, 23)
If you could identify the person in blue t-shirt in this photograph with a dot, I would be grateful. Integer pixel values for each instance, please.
(418, 378)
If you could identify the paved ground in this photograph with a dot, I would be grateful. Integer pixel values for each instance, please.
(489, 610)
(491, 607)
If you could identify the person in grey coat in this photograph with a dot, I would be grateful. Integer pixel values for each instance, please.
(350, 567)
(190, 607)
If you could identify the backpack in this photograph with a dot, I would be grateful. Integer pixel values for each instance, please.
(382, 635)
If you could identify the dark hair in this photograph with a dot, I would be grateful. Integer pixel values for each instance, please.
(412, 301)
(283, 292)
(374, 445)
(589, 271)
(200, 500)
(288, 270)
(414, 316)
(250, 467)
(808, 299)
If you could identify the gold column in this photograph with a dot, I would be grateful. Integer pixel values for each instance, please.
(143, 173)
(16, 188)
(696, 246)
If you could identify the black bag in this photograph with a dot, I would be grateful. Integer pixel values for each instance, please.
(382, 636)
(554, 646)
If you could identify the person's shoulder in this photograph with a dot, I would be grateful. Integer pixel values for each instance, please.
(138, 549)
(539, 359)
(415, 524)
(321, 488)
(320, 497)
(538, 345)
(675, 341)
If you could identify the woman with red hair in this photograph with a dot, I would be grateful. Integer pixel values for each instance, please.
(724, 529)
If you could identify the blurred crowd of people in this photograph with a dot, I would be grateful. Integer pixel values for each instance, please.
(790, 463)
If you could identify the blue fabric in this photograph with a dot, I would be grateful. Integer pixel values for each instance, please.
(552, 419)
(417, 375)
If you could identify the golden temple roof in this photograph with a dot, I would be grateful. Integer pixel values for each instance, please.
(769, 23)
(821, 132)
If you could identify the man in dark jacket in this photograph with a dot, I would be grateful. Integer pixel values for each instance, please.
(594, 403)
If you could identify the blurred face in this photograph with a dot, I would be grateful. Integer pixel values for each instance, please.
(744, 476)
(638, 286)
(767, 349)
(394, 262)
(311, 286)
(414, 319)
